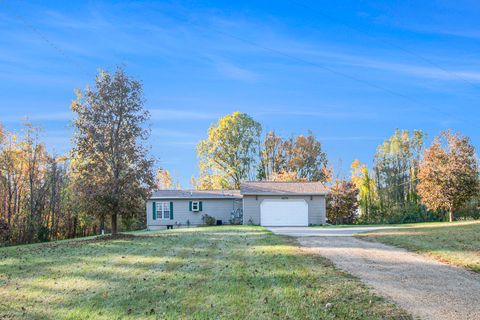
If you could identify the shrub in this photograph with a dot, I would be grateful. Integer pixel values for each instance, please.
(4, 232)
(209, 220)
(342, 202)
(42, 233)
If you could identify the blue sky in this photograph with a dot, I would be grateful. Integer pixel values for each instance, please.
(350, 71)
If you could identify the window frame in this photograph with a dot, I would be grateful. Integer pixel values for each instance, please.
(163, 210)
(197, 204)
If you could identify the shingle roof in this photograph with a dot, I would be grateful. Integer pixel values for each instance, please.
(282, 188)
(196, 194)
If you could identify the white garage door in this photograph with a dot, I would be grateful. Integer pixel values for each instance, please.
(278, 212)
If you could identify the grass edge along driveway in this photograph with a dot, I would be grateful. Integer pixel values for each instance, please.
(229, 272)
(455, 243)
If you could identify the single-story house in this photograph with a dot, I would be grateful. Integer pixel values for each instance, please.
(263, 203)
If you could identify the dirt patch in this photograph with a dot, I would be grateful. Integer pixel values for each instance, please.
(427, 288)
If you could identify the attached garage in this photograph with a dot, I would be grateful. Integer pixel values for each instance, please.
(286, 204)
(284, 212)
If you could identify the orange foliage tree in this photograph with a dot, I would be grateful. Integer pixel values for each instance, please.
(448, 173)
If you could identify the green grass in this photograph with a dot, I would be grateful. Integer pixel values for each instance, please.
(416, 224)
(456, 243)
(198, 273)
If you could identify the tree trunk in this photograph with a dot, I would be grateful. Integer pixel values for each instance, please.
(114, 223)
(450, 215)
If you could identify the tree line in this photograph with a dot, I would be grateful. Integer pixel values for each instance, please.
(407, 182)
(411, 183)
(102, 183)
(234, 151)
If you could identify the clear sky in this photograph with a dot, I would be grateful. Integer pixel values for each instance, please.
(350, 71)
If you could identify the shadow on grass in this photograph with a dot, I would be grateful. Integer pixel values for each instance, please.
(235, 272)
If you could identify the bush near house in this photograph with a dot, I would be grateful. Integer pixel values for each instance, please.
(209, 220)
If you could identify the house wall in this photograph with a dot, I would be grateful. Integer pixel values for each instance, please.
(316, 208)
(219, 208)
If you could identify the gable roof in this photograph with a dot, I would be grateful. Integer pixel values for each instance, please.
(282, 188)
(196, 194)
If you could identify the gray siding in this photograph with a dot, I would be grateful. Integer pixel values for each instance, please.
(316, 208)
(218, 208)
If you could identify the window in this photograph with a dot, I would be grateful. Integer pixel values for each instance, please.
(195, 206)
(163, 210)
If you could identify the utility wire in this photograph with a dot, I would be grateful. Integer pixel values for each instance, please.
(391, 44)
(320, 66)
(249, 42)
(48, 42)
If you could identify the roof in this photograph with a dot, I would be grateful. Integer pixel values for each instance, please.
(196, 194)
(282, 188)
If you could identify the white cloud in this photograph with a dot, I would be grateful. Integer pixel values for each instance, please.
(235, 72)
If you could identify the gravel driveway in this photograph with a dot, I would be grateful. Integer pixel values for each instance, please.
(426, 288)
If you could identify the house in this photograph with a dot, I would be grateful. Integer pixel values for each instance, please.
(263, 203)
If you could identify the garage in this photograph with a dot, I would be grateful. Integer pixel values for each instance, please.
(284, 212)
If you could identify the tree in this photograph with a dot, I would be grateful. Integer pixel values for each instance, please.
(296, 159)
(448, 173)
(365, 183)
(34, 185)
(163, 179)
(35, 156)
(308, 159)
(395, 168)
(273, 159)
(113, 174)
(342, 202)
(229, 155)
(285, 176)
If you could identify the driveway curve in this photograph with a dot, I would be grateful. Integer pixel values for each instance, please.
(425, 287)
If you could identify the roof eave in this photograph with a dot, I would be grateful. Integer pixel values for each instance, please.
(284, 194)
(192, 197)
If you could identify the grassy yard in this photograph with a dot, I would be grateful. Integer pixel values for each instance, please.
(457, 243)
(416, 224)
(197, 273)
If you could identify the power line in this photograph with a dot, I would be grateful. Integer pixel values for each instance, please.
(391, 44)
(47, 41)
(320, 66)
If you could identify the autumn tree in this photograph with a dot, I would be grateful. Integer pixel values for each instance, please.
(342, 202)
(448, 173)
(35, 159)
(299, 158)
(273, 158)
(365, 184)
(113, 173)
(229, 154)
(286, 176)
(165, 181)
(34, 189)
(395, 171)
(308, 159)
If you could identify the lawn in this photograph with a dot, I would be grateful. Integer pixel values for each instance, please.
(197, 273)
(456, 243)
(416, 224)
